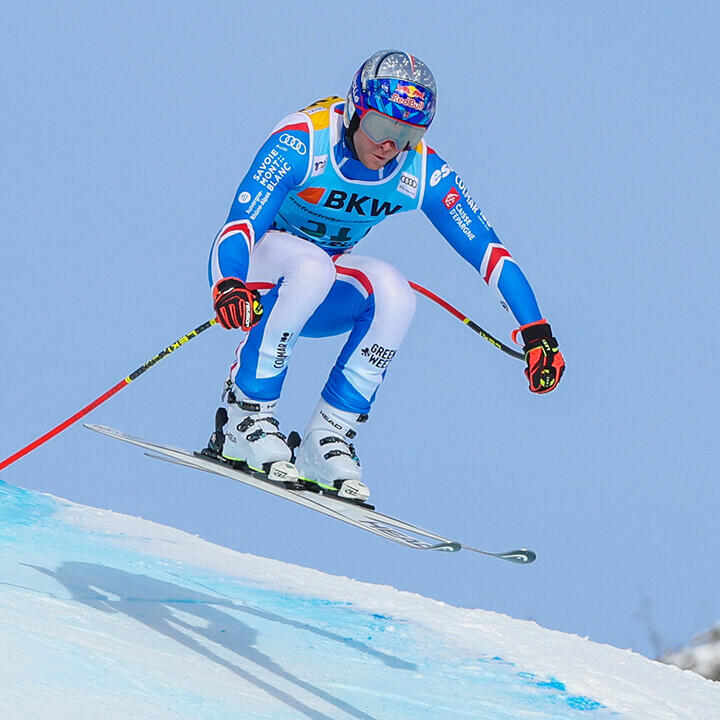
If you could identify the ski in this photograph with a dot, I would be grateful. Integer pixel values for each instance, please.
(359, 515)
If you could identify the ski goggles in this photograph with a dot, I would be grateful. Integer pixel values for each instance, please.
(380, 128)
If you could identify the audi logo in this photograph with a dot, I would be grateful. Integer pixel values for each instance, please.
(295, 143)
(409, 181)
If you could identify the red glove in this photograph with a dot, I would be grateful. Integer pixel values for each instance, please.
(237, 307)
(545, 363)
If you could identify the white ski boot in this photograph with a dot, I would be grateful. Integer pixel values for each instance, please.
(326, 456)
(252, 436)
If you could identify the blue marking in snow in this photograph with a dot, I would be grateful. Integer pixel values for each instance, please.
(583, 703)
(576, 702)
(22, 507)
(552, 685)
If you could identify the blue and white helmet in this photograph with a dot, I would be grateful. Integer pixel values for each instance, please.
(395, 84)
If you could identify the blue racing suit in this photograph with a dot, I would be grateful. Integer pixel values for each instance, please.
(307, 195)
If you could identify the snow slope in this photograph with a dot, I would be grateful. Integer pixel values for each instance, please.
(104, 615)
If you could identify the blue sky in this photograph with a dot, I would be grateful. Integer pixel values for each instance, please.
(588, 135)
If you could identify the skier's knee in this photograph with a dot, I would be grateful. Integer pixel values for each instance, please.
(392, 290)
(316, 269)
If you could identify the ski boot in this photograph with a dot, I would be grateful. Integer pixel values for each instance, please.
(326, 459)
(247, 437)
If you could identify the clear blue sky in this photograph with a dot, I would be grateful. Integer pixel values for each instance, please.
(588, 135)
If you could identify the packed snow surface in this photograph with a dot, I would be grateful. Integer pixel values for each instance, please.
(109, 616)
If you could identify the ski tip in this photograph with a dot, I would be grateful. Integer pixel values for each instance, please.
(449, 546)
(96, 428)
(104, 430)
(523, 556)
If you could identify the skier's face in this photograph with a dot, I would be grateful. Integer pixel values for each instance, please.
(373, 155)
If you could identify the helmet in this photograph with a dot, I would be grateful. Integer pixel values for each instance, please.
(393, 96)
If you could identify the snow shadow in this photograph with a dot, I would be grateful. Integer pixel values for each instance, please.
(152, 602)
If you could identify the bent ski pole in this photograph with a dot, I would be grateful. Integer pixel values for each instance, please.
(463, 318)
(108, 394)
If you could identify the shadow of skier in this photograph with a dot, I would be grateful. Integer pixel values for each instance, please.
(151, 602)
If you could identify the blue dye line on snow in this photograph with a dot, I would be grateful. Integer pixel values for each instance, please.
(20, 507)
(576, 702)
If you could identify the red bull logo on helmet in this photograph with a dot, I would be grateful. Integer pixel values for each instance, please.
(410, 96)
(412, 91)
(399, 99)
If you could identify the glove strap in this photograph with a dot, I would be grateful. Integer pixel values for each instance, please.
(532, 331)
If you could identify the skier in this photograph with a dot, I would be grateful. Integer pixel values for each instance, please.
(281, 267)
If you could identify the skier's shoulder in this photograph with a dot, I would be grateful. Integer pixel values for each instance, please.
(319, 113)
(437, 168)
(302, 123)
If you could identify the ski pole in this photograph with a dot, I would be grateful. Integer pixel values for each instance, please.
(201, 328)
(464, 319)
(108, 394)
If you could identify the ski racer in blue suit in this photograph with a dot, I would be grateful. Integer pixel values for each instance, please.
(281, 267)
